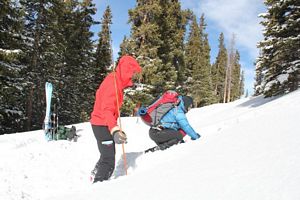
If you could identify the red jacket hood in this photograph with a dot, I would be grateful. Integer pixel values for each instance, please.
(125, 70)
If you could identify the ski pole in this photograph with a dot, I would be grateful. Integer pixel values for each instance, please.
(119, 115)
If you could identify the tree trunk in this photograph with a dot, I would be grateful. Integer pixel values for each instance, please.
(29, 108)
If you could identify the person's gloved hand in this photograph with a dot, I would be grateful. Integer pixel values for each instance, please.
(119, 136)
(197, 137)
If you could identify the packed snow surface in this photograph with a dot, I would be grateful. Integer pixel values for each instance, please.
(249, 150)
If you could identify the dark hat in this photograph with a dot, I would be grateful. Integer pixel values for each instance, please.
(188, 102)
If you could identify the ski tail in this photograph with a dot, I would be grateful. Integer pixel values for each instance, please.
(152, 149)
(161, 147)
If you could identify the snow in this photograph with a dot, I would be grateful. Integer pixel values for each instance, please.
(263, 15)
(282, 78)
(7, 51)
(249, 149)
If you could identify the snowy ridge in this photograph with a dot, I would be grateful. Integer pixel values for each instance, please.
(249, 149)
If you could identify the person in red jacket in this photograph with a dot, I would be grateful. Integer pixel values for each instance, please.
(109, 98)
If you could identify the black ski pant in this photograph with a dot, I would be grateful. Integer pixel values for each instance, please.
(165, 138)
(106, 163)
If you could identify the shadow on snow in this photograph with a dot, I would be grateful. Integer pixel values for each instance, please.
(131, 163)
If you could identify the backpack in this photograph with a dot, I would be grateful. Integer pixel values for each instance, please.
(152, 114)
(65, 133)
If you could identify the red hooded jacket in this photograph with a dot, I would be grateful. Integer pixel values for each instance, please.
(105, 112)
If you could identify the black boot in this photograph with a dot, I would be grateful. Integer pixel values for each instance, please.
(168, 144)
(100, 174)
(98, 180)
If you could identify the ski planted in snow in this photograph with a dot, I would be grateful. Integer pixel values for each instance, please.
(47, 121)
(51, 128)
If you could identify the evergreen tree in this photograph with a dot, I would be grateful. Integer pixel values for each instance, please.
(40, 20)
(242, 84)
(219, 69)
(12, 112)
(78, 64)
(104, 49)
(259, 76)
(198, 64)
(278, 66)
(52, 40)
(192, 55)
(229, 71)
(146, 40)
(156, 40)
(59, 50)
(236, 78)
(206, 74)
(126, 47)
(172, 23)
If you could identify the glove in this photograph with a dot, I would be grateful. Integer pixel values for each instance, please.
(119, 136)
(197, 137)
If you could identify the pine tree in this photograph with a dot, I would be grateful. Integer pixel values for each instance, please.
(192, 56)
(53, 41)
(172, 23)
(12, 112)
(146, 40)
(104, 49)
(236, 78)
(218, 70)
(126, 48)
(259, 76)
(79, 61)
(242, 84)
(198, 64)
(59, 50)
(278, 66)
(207, 87)
(44, 53)
(229, 71)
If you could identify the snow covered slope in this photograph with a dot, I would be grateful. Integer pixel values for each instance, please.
(249, 149)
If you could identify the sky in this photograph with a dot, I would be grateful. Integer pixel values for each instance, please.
(248, 150)
(238, 17)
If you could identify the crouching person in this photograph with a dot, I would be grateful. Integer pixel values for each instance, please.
(174, 125)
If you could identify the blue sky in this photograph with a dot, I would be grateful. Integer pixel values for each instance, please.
(237, 17)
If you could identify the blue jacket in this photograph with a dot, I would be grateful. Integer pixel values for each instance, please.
(175, 119)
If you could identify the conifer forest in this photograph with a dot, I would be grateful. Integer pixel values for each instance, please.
(51, 41)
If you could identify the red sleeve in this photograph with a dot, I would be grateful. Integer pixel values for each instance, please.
(105, 110)
(110, 109)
